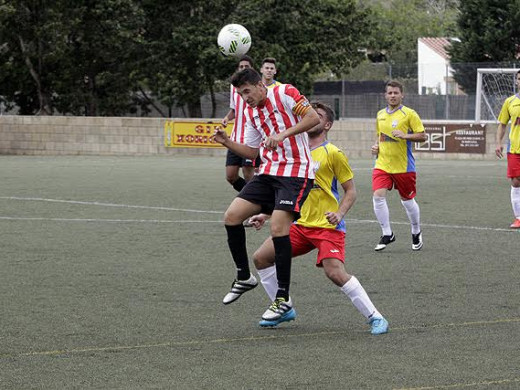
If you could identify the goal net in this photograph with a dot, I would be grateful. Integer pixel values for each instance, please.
(493, 87)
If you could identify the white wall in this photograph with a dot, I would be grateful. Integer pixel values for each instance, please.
(431, 70)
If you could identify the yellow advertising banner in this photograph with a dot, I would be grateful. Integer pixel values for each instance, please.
(178, 134)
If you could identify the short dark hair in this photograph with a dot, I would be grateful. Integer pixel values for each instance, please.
(394, 84)
(270, 60)
(518, 72)
(245, 76)
(328, 111)
(245, 57)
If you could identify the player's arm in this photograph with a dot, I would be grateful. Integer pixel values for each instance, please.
(501, 131)
(503, 120)
(309, 119)
(375, 146)
(229, 117)
(417, 134)
(414, 137)
(346, 203)
(242, 150)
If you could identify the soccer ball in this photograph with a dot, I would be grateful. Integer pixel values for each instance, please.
(234, 40)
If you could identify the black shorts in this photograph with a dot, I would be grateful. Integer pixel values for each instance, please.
(234, 159)
(277, 193)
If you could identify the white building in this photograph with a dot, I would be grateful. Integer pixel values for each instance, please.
(434, 73)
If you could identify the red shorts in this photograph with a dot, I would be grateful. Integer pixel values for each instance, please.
(513, 165)
(403, 182)
(330, 242)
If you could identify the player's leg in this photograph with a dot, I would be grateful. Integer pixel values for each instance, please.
(515, 201)
(513, 172)
(239, 210)
(290, 193)
(233, 164)
(406, 185)
(352, 288)
(264, 264)
(264, 258)
(381, 183)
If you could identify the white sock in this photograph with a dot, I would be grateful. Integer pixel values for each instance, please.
(359, 297)
(414, 214)
(382, 214)
(515, 201)
(269, 281)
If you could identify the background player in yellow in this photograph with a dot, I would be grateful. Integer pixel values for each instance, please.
(268, 71)
(511, 111)
(322, 226)
(397, 127)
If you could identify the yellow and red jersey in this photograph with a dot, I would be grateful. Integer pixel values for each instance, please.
(395, 154)
(511, 111)
(333, 170)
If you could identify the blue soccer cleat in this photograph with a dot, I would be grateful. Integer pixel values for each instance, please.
(379, 325)
(279, 311)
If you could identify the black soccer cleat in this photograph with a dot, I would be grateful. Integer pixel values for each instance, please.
(417, 242)
(384, 241)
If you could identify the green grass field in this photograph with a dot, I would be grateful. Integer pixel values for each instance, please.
(113, 271)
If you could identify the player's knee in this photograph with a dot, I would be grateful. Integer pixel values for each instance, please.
(335, 271)
(231, 178)
(260, 261)
(232, 218)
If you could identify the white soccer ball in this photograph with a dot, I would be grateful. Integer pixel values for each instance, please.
(234, 40)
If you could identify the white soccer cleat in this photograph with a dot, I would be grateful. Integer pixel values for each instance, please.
(238, 287)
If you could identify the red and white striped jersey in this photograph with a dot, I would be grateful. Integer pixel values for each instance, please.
(238, 104)
(283, 108)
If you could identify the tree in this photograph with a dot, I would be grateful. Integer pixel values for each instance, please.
(74, 59)
(397, 25)
(180, 61)
(29, 39)
(307, 37)
(103, 41)
(489, 37)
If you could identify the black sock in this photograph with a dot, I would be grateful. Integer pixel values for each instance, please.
(283, 258)
(239, 183)
(237, 246)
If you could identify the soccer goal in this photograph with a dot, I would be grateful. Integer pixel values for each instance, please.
(493, 87)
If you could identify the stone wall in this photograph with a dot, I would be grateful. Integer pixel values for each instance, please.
(67, 135)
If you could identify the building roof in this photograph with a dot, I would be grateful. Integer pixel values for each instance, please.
(438, 45)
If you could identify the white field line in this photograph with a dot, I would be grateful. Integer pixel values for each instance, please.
(353, 221)
(3, 218)
(128, 206)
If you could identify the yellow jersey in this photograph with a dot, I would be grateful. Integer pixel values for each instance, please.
(395, 154)
(274, 84)
(511, 110)
(333, 170)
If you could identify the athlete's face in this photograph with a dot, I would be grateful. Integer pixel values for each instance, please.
(253, 94)
(243, 65)
(324, 124)
(393, 96)
(268, 70)
(518, 82)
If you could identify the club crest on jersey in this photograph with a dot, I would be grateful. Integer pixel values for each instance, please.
(394, 124)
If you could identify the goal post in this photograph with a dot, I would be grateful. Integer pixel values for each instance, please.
(494, 85)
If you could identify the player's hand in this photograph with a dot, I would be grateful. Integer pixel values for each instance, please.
(399, 134)
(499, 151)
(375, 149)
(272, 142)
(220, 136)
(224, 121)
(334, 218)
(257, 221)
